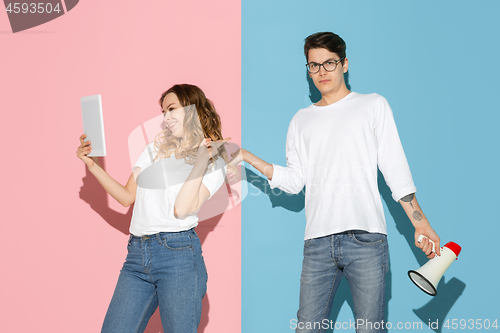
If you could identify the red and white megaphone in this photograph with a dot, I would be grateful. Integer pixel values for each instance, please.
(428, 276)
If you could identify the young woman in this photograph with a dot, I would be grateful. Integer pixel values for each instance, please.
(171, 180)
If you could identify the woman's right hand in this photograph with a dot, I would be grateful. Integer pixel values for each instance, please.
(83, 150)
(209, 149)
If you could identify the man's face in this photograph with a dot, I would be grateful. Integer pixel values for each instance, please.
(327, 82)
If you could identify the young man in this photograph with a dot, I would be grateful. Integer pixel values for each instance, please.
(334, 147)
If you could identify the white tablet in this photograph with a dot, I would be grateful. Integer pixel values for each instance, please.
(93, 124)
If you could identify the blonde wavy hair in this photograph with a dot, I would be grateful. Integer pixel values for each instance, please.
(201, 121)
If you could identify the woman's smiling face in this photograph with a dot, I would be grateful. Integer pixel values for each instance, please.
(173, 115)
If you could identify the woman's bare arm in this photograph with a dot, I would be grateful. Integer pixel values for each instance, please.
(193, 193)
(125, 195)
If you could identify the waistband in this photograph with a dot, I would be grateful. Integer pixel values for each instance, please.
(158, 236)
(353, 231)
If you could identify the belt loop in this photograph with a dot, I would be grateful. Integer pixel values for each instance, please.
(130, 239)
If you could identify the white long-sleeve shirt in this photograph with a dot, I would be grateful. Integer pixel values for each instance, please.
(334, 151)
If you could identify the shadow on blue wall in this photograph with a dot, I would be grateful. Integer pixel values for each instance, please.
(432, 314)
(278, 198)
(448, 292)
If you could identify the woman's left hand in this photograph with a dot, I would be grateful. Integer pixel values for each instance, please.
(209, 148)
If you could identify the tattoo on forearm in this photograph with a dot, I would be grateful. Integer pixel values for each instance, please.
(408, 198)
(417, 215)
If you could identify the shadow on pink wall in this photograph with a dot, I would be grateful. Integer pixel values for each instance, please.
(92, 193)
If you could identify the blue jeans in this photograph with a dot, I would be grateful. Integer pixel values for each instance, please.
(165, 270)
(363, 258)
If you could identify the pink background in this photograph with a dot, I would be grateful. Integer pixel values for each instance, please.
(63, 238)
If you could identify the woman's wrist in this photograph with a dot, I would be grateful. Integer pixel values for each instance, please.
(202, 159)
(202, 162)
(91, 165)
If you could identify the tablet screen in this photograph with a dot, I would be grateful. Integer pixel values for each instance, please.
(93, 124)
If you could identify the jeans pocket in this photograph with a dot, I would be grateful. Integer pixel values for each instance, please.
(308, 242)
(178, 243)
(368, 238)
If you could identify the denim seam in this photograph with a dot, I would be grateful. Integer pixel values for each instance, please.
(332, 248)
(382, 305)
(146, 269)
(144, 313)
(337, 253)
(193, 300)
(142, 255)
(329, 297)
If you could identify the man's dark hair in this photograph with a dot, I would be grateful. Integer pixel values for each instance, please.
(326, 40)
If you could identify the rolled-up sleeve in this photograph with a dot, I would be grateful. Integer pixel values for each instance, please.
(391, 157)
(146, 157)
(214, 178)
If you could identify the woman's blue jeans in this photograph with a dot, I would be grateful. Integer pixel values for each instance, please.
(363, 258)
(165, 270)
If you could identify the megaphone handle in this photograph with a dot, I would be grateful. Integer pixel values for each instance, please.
(433, 244)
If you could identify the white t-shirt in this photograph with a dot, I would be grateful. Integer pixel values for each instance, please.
(334, 151)
(158, 184)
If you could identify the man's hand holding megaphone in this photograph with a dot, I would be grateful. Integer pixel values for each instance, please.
(422, 226)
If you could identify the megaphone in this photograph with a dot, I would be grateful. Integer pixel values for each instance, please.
(428, 276)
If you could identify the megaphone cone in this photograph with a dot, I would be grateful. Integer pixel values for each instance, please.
(427, 277)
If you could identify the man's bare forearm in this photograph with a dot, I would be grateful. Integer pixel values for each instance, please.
(413, 210)
(262, 166)
(419, 221)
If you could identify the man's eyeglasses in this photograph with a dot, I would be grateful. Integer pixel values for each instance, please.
(329, 66)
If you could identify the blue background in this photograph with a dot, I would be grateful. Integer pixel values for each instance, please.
(437, 63)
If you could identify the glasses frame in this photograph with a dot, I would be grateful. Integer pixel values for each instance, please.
(323, 64)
